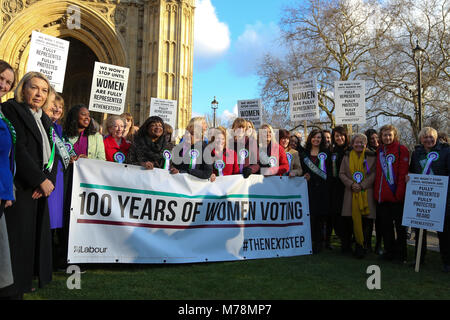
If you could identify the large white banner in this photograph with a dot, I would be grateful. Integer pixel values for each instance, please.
(303, 101)
(109, 88)
(125, 214)
(48, 55)
(425, 202)
(350, 102)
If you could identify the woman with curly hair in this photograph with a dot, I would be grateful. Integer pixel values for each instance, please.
(80, 132)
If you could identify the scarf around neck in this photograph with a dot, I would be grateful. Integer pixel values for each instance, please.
(360, 204)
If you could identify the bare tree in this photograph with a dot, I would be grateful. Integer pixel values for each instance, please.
(394, 71)
(368, 40)
(329, 40)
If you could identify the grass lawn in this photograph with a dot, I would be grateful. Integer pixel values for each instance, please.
(328, 275)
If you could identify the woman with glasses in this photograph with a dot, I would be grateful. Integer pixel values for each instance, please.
(150, 148)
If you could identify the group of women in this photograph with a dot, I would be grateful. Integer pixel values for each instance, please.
(351, 184)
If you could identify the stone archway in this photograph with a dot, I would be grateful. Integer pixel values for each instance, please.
(50, 17)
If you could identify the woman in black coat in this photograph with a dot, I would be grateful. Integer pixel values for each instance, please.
(339, 146)
(432, 157)
(189, 155)
(28, 219)
(316, 164)
(150, 145)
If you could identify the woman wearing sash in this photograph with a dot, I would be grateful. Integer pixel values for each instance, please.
(150, 148)
(389, 192)
(432, 157)
(7, 168)
(189, 154)
(81, 133)
(357, 173)
(55, 110)
(316, 165)
(272, 157)
(290, 143)
(339, 145)
(116, 147)
(28, 221)
(225, 160)
(246, 148)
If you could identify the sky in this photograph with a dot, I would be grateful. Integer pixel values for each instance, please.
(230, 37)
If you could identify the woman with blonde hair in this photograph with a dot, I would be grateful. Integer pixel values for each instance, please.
(272, 157)
(28, 220)
(246, 148)
(432, 157)
(188, 155)
(389, 192)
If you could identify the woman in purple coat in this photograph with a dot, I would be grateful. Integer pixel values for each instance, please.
(55, 110)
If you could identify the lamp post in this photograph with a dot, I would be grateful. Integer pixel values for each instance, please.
(417, 52)
(214, 106)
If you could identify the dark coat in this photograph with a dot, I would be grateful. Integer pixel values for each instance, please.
(28, 220)
(337, 187)
(202, 169)
(143, 149)
(440, 167)
(319, 190)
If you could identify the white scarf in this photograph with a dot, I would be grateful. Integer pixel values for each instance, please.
(45, 143)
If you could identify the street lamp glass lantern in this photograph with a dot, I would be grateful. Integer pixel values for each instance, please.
(214, 103)
(418, 51)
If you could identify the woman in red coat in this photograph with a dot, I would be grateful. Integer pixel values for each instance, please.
(389, 191)
(272, 156)
(225, 163)
(116, 147)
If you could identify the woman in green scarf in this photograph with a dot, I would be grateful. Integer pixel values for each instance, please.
(357, 173)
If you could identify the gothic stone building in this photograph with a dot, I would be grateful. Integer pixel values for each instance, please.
(154, 38)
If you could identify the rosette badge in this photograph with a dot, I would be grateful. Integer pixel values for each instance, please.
(243, 153)
(322, 157)
(390, 158)
(358, 176)
(167, 156)
(119, 157)
(194, 155)
(431, 156)
(272, 161)
(219, 165)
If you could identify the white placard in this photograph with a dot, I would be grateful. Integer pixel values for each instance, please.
(123, 214)
(303, 100)
(109, 88)
(251, 110)
(48, 55)
(165, 109)
(350, 102)
(425, 202)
